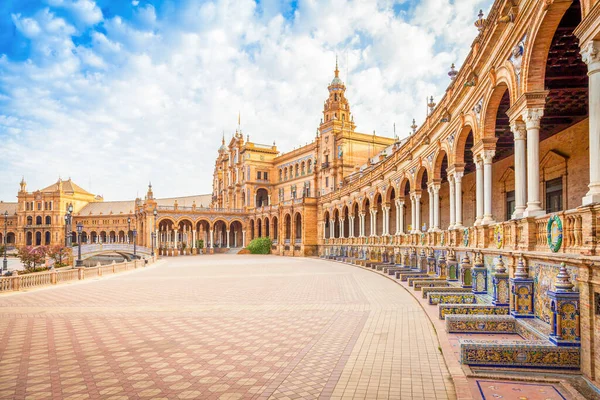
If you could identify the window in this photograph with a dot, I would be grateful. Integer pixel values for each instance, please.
(326, 181)
(554, 195)
(257, 174)
(39, 206)
(48, 220)
(265, 176)
(510, 204)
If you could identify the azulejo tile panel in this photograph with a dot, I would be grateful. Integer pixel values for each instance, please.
(451, 298)
(536, 354)
(544, 275)
(480, 324)
(471, 309)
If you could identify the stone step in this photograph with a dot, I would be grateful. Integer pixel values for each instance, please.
(403, 276)
(417, 284)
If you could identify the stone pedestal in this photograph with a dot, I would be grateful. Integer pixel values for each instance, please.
(452, 266)
(564, 303)
(466, 277)
(500, 281)
(521, 288)
(479, 276)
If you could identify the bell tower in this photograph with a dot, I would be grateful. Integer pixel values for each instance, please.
(336, 110)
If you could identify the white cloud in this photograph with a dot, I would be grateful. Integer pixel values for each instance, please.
(149, 98)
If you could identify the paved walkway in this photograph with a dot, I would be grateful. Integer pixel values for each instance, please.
(222, 327)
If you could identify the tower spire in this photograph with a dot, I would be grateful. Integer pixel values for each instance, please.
(337, 71)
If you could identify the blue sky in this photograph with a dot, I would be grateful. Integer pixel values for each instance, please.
(115, 93)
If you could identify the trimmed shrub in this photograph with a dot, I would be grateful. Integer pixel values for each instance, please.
(260, 246)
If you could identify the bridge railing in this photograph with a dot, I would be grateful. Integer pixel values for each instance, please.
(55, 276)
(102, 247)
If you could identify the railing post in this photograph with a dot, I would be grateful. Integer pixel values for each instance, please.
(53, 276)
(16, 281)
(80, 273)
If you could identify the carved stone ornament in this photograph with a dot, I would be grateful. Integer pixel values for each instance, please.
(516, 57)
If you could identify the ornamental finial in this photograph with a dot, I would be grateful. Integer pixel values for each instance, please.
(563, 280)
(521, 271)
(500, 267)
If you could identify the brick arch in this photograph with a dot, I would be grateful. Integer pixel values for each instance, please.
(539, 40)
(416, 184)
(437, 162)
(388, 194)
(162, 219)
(461, 141)
(491, 109)
(401, 186)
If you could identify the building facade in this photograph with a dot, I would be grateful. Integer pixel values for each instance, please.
(502, 181)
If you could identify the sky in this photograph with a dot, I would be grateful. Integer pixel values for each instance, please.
(117, 93)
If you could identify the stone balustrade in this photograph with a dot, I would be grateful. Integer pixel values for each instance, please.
(56, 276)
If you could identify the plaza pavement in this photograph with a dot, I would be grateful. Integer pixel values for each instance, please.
(222, 327)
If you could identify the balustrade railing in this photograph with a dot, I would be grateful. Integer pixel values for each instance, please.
(567, 235)
(55, 276)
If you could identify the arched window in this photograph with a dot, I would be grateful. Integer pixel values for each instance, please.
(303, 168)
(309, 166)
(297, 170)
(29, 220)
(280, 175)
(48, 220)
(38, 221)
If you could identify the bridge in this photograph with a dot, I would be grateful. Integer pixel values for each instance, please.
(125, 250)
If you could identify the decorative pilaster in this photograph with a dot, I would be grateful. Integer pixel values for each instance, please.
(500, 282)
(452, 266)
(442, 267)
(422, 261)
(466, 277)
(521, 288)
(564, 303)
(479, 274)
(431, 267)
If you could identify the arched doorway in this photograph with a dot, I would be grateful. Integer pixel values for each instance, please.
(262, 197)
(298, 228)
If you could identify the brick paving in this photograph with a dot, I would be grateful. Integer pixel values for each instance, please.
(222, 327)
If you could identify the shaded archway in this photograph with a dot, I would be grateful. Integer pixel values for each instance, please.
(288, 228)
(298, 228)
(367, 211)
(262, 197)
(378, 202)
(235, 234)
(275, 229)
(336, 223)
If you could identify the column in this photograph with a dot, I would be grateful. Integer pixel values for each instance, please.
(362, 224)
(399, 216)
(373, 222)
(430, 193)
(350, 226)
(386, 220)
(519, 132)
(458, 201)
(176, 238)
(211, 239)
(418, 212)
(324, 229)
(413, 219)
(331, 228)
(342, 227)
(436, 206)
(452, 201)
(228, 239)
(532, 119)
(194, 239)
(488, 156)
(591, 56)
(479, 184)
(243, 238)
(235, 243)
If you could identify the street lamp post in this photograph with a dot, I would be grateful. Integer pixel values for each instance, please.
(134, 242)
(68, 219)
(128, 228)
(5, 261)
(79, 230)
(155, 212)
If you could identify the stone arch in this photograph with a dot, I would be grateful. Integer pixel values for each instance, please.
(336, 223)
(420, 174)
(438, 163)
(287, 227)
(539, 40)
(355, 212)
(298, 227)
(267, 227)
